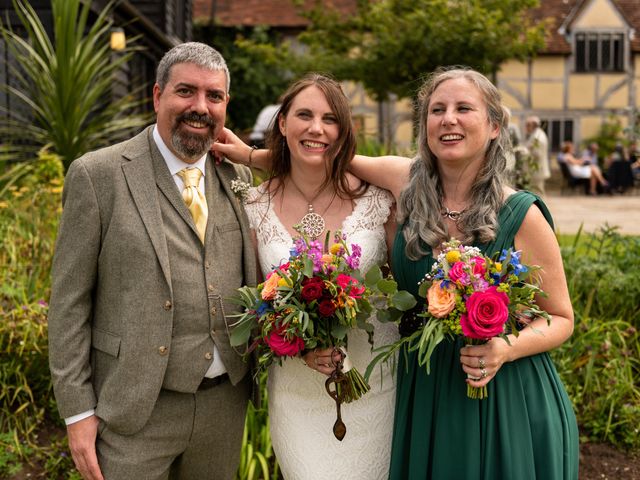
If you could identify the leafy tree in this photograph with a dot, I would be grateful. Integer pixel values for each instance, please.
(389, 45)
(255, 81)
(62, 86)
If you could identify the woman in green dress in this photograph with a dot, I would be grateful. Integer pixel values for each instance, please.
(526, 428)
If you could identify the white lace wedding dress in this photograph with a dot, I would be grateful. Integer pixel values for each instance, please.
(301, 413)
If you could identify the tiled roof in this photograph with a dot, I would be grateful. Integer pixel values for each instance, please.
(275, 13)
(282, 13)
(561, 10)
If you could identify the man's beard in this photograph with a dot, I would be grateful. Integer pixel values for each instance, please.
(192, 146)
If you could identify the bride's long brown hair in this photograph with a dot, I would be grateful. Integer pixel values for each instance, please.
(339, 154)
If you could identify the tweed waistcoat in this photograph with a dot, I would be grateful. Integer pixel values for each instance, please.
(202, 277)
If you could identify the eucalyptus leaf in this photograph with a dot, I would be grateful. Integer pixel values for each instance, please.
(403, 300)
(373, 276)
(389, 287)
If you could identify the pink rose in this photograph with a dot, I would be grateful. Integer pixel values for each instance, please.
(282, 347)
(479, 266)
(350, 285)
(487, 312)
(284, 268)
(441, 301)
(457, 273)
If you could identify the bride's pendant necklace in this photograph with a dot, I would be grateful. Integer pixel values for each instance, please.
(312, 223)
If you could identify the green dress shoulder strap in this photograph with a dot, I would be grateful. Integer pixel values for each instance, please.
(510, 218)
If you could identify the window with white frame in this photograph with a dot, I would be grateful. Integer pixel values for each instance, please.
(599, 52)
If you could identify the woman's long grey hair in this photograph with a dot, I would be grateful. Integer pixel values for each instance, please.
(420, 206)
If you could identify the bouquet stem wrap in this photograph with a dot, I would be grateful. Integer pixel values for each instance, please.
(354, 385)
(477, 393)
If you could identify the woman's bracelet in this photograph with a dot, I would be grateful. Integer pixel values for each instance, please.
(253, 149)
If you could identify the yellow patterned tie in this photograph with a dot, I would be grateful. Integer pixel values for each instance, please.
(193, 197)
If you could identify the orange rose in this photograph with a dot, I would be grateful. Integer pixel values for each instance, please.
(270, 287)
(440, 300)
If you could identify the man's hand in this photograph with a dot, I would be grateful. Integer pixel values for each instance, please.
(82, 443)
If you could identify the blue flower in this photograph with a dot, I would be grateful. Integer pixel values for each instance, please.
(514, 261)
(262, 308)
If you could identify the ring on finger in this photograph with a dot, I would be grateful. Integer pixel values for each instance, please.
(483, 373)
(481, 363)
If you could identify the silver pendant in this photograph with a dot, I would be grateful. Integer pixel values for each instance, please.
(312, 225)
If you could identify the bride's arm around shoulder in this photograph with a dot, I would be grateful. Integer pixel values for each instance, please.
(389, 172)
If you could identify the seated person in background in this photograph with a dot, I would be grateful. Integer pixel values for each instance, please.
(590, 154)
(634, 159)
(580, 168)
(619, 172)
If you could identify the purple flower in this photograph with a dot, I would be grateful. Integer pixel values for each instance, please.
(480, 284)
(299, 245)
(353, 262)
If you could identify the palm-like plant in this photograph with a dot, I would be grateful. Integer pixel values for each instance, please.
(62, 86)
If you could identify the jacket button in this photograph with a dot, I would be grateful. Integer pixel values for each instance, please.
(208, 355)
(167, 305)
(207, 264)
(163, 350)
(210, 288)
(213, 332)
(213, 310)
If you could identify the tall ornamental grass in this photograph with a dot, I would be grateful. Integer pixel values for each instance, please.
(29, 210)
(60, 94)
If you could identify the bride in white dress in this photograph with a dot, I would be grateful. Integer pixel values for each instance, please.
(311, 143)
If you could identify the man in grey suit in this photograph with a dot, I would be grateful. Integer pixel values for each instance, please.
(146, 256)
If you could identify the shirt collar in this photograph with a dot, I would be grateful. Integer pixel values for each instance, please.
(174, 163)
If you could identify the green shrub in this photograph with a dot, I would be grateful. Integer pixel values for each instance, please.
(600, 363)
(600, 366)
(11, 454)
(603, 274)
(29, 206)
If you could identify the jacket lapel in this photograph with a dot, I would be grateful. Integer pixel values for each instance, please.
(226, 173)
(140, 177)
(167, 186)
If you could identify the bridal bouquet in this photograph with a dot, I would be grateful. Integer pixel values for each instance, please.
(311, 301)
(471, 295)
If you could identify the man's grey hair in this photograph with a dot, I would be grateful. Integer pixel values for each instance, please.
(197, 53)
(533, 120)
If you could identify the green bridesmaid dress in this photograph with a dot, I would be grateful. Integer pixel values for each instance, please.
(526, 428)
